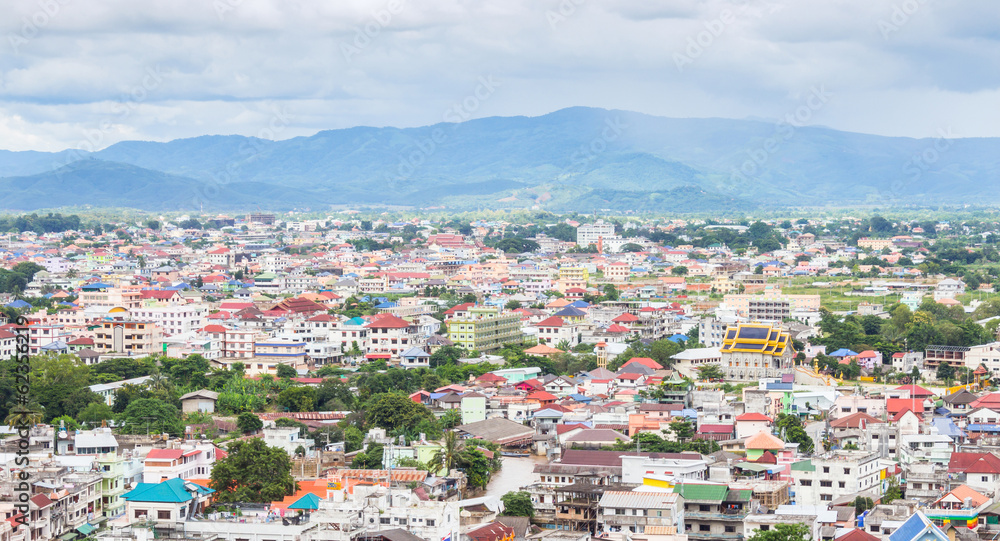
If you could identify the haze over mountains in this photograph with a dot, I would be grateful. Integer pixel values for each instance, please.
(572, 159)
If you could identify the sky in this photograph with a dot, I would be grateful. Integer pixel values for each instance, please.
(85, 75)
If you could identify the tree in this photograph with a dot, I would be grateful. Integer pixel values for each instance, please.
(253, 472)
(783, 532)
(518, 504)
(791, 426)
(285, 371)
(631, 247)
(683, 430)
(477, 468)
(945, 372)
(371, 459)
(893, 492)
(513, 304)
(451, 419)
(448, 456)
(95, 413)
(248, 423)
(297, 398)
(151, 415)
(392, 411)
(679, 270)
(711, 372)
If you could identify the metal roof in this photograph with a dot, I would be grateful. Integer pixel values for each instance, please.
(638, 500)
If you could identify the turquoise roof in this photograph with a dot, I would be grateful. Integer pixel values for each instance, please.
(169, 491)
(309, 501)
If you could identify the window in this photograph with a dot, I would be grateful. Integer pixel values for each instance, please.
(429, 522)
(842, 484)
(765, 527)
(163, 515)
(704, 528)
(730, 529)
(826, 469)
(826, 483)
(847, 471)
(806, 482)
(826, 497)
(383, 520)
(704, 508)
(139, 513)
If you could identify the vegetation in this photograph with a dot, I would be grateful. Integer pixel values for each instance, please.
(253, 472)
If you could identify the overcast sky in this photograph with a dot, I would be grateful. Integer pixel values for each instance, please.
(88, 74)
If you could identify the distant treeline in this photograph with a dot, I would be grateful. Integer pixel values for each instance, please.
(50, 223)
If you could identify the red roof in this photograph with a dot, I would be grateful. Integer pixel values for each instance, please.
(626, 318)
(857, 534)
(491, 377)
(80, 342)
(896, 405)
(630, 376)
(644, 361)
(974, 463)
(617, 328)
(753, 417)
(990, 401)
(164, 454)
(854, 420)
(388, 321)
(214, 329)
(541, 396)
(916, 391)
(459, 308)
(566, 427)
(715, 429)
(553, 321)
(493, 531)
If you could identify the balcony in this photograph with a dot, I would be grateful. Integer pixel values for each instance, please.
(725, 515)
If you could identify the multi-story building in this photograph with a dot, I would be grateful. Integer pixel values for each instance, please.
(389, 336)
(133, 338)
(751, 352)
(485, 329)
(174, 320)
(587, 234)
(714, 511)
(620, 511)
(823, 479)
(187, 461)
(238, 344)
(771, 305)
(573, 277)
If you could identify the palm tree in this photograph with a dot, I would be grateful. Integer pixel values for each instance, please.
(22, 417)
(450, 453)
(157, 381)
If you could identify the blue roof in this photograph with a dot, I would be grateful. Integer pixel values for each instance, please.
(946, 427)
(579, 304)
(386, 305)
(980, 427)
(842, 352)
(918, 526)
(171, 491)
(96, 285)
(690, 413)
(779, 386)
(17, 304)
(570, 311)
(678, 338)
(580, 397)
(309, 501)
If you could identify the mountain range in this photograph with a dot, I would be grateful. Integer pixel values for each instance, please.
(573, 159)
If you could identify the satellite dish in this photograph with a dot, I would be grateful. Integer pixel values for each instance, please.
(63, 435)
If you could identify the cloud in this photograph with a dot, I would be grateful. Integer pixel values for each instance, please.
(194, 67)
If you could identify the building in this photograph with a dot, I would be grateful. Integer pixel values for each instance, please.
(485, 329)
(771, 305)
(587, 234)
(389, 336)
(166, 504)
(132, 338)
(751, 352)
(199, 401)
(823, 479)
(620, 511)
(714, 511)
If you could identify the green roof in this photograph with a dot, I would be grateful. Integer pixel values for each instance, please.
(700, 492)
(85, 529)
(805, 465)
(170, 491)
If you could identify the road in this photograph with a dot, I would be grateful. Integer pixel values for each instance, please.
(815, 429)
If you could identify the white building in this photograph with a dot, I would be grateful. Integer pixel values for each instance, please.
(588, 234)
(823, 479)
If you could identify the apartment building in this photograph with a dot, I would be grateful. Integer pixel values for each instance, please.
(390, 335)
(823, 479)
(175, 319)
(133, 338)
(485, 329)
(714, 511)
(187, 461)
(587, 234)
(620, 511)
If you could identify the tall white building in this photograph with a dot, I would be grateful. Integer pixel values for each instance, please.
(588, 234)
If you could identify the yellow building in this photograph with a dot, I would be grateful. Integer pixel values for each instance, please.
(572, 277)
(485, 329)
(751, 352)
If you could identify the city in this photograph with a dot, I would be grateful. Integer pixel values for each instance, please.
(542, 376)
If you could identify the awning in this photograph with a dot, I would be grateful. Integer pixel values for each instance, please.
(85, 529)
(68, 536)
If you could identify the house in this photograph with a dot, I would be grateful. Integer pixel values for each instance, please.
(635, 512)
(918, 528)
(414, 358)
(494, 531)
(749, 424)
(199, 401)
(166, 503)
